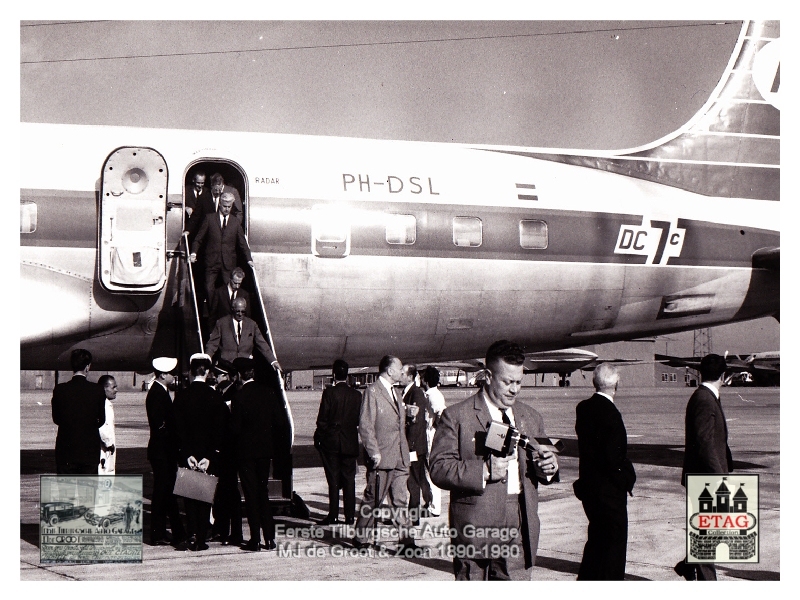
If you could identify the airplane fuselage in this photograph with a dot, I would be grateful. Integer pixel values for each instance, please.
(363, 248)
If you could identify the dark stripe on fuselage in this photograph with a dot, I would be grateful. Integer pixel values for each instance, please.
(69, 219)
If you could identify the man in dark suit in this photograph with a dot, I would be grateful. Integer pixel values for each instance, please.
(162, 452)
(198, 199)
(336, 439)
(605, 477)
(220, 235)
(261, 430)
(237, 336)
(382, 427)
(218, 188)
(417, 408)
(707, 448)
(200, 416)
(79, 410)
(491, 494)
(224, 296)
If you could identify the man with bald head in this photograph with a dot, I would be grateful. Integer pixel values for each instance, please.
(237, 336)
(606, 475)
(220, 235)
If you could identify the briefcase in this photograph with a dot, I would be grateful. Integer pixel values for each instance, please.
(195, 485)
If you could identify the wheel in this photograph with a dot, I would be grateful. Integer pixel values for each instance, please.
(106, 523)
(53, 521)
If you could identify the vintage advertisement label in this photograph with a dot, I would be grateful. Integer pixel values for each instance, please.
(722, 518)
(90, 518)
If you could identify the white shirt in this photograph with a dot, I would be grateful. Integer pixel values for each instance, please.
(236, 330)
(713, 389)
(606, 396)
(436, 400)
(512, 478)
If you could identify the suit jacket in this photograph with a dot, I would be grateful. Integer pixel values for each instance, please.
(416, 429)
(456, 464)
(259, 423)
(219, 247)
(382, 427)
(199, 414)
(221, 302)
(79, 409)
(164, 442)
(603, 449)
(223, 338)
(707, 448)
(199, 206)
(337, 420)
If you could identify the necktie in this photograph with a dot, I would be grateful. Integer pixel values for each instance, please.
(224, 222)
(238, 332)
(506, 420)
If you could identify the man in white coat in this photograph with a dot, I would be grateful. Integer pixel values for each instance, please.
(108, 449)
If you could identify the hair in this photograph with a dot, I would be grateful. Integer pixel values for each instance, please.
(503, 350)
(712, 367)
(217, 179)
(80, 359)
(431, 376)
(105, 380)
(386, 362)
(605, 377)
(238, 272)
(199, 366)
(239, 300)
(411, 370)
(225, 196)
(340, 370)
(198, 173)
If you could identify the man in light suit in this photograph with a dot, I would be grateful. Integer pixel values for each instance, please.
(79, 410)
(707, 448)
(491, 494)
(606, 475)
(336, 439)
(220, 235)
(238, 335)
(382, 426)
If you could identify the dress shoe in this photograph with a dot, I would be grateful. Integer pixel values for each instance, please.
(198, 547)
(407, 545)
(185, 544)
(358, 544)
(269, 545)
(351, 521)
(232, 541)
(685, 571)
(217, 537)
(329, 520)
(161, 542)
(251, 546)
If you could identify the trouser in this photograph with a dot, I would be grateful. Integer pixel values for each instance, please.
(492, 569)
(197, 515)
(393, 482)
(607, 541)
(212, 273)
(340, 472)
(417, 484)
(77, 468)
(228, 504)
(255, 477)
(164, 503)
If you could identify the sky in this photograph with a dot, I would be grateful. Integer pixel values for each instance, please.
(550, 84)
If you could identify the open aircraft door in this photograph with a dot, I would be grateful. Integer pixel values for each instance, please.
(132, 236)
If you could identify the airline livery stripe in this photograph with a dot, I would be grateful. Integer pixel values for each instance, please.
(524, 197)
(526, 186)
(735, 134)
(696, 162)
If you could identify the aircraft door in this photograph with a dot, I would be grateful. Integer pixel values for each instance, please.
(132, 236)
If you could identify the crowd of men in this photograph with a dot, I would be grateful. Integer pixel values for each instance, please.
(229, 424)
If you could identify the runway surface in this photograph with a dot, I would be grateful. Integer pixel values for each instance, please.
(654, 420)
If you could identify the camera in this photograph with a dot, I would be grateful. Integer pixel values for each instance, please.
(502, 440)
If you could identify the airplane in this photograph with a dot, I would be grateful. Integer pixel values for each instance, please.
(428, 251)
(761, 368)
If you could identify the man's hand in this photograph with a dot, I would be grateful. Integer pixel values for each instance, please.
(189, 210)
(192, 462)
(252, 264)
(276, 365)
(546, 464)
(376, 460)
(203, 465)
(497, 468)
(193, 257)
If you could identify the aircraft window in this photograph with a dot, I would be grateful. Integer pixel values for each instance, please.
(401, 229)
(533, 234)
(27, 217)
(467, 231)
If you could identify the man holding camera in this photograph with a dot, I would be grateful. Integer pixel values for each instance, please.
(493, 498)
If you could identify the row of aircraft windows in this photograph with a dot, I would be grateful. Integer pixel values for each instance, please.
(400, 229)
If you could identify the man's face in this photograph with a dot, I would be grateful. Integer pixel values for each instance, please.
(199, 182)
(169, 379)
(395, 371)
(238, 309)
(236, 283)
(225, 206)
(503, 382)
(217, 188)
(405, 377)
(111, 390)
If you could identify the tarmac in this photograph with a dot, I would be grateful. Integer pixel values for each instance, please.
(656, 513)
